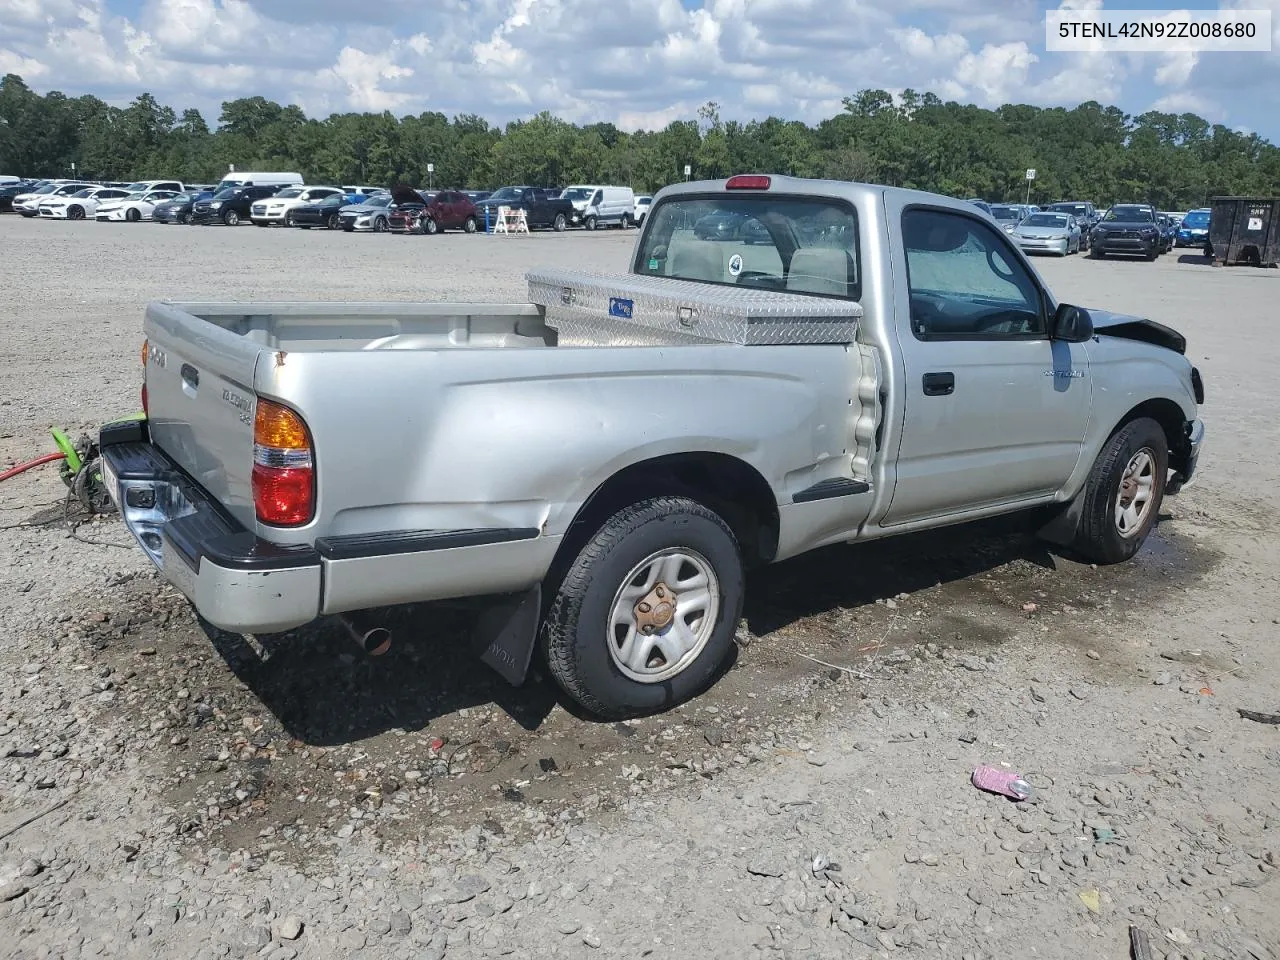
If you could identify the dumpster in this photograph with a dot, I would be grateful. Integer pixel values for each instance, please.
(1245, 230)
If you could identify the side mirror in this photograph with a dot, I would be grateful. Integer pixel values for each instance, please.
(1071, 324)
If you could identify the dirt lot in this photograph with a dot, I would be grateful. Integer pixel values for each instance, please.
(224, 799)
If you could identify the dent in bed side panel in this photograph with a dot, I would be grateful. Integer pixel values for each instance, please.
(520, 438)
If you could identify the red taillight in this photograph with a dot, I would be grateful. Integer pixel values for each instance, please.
(747, 181)
(145, 411)
(283, 476)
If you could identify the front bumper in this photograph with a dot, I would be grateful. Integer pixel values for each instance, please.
(1188, 459)
(109, 215)
(1036, 245)
(364, 225)
(53, 213)
(242, 583)
(268, 215)
(1131, 245)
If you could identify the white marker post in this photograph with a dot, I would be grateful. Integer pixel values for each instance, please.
(431, 176)
(1031, 175)
(687, 171)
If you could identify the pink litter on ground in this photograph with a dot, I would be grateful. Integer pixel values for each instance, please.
(1003, 782)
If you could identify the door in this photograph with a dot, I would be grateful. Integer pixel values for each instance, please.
(448, 210)
(995, 411)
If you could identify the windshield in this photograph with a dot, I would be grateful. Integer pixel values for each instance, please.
(87, 192)
(1196, 218)
(228, 193)
(47, 188)
(805, 246)
(377, 202)
(137, 186)
(288, 192)
(1076, 209)
(1046, 220)
(576, 193)
(506, 193)
(1004, 213)
(1131, 214)
(183, 197)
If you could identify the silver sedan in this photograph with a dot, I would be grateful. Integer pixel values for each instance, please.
(1049, 233)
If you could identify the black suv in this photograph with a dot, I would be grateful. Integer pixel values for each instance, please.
(1127, 228)
(231, 206)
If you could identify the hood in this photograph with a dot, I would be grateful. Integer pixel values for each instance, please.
(403, 193)
(1137, 328)
(1127, 225)
(1039, 231)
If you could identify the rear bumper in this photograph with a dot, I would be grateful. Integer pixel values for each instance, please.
(242, 583)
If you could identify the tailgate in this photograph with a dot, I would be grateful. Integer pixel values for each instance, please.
(200, 403)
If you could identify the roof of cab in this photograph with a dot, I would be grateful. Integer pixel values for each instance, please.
(803, 186)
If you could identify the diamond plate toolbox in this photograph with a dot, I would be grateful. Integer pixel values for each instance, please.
(589, 309)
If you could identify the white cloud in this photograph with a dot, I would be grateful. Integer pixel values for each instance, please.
(1189, 103)
(638, 63)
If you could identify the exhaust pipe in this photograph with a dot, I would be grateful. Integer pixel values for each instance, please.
(373, 639)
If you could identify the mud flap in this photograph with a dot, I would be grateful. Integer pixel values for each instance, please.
(507, 631)
(1063, 523)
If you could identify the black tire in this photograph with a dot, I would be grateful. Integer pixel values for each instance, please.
(470, 226)
(589, 223)
(1099, 538)
(1096, 254)
(231, 218)
(380, 225)
(1152, 256)
(626, 222)
(288, 220)
(574, 637)
(184, 218)
(429, 226)
(132, 215)
(333, 223)
(75, 213)
(560, 223)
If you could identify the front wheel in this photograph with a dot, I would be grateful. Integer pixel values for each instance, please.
(184, 218)
(429, 226)
(1096, 254)
(380, 225)
(75, 213)
(590, 223)
(333, 222)
(231, 218)
(132, 215)
(645, 615)
(1123, 494)
(560, 223)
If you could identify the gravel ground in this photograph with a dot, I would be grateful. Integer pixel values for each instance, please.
(203, 795)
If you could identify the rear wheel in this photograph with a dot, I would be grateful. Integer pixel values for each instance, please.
(1123, 494)
(626, 221)
(645, 615)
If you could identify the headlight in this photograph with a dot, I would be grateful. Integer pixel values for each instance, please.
(1060, 236)
(216, 205)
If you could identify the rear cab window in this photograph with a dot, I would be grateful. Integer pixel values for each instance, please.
(773, 242)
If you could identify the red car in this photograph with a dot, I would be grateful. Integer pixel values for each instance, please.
(443, 210)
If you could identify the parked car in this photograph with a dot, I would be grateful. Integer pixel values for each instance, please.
(28, 204)
(443, 210)
(322, 213)
(1168, 231)
(980, 204)
(231, 206)
(641, 209)
(1194, 230)
(132, 208)
(372, 215)
(1086, 213)
(11, 190)
(276, 208)
(277, 179)
(145, 186)
(477, 195)
(351, 189)
(1049, 233)
(1128, 228)
(608, 206)
(1008, 216)
(543, 207)
(81, 204)
(617, 555)
(178, 208)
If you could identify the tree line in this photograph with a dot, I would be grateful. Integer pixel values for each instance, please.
(1089, 152)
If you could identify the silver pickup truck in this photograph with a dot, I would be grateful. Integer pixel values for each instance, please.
(788, 364)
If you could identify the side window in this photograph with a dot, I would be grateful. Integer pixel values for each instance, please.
(965, 284)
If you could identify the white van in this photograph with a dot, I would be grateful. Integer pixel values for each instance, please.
(258, 179)
(609, 206)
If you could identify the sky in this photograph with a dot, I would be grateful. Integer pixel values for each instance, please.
(635, 63)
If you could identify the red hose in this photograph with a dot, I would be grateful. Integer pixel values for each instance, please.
(38, 461)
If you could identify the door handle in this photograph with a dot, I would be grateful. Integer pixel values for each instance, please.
(939, 384)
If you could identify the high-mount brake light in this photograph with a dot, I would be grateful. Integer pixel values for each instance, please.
(747, 181)
(284, 480)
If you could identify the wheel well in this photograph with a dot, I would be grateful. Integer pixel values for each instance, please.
(729, 486)
(1166, 413)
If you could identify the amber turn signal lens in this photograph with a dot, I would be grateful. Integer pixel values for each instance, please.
(279, 427)
(146, 350)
